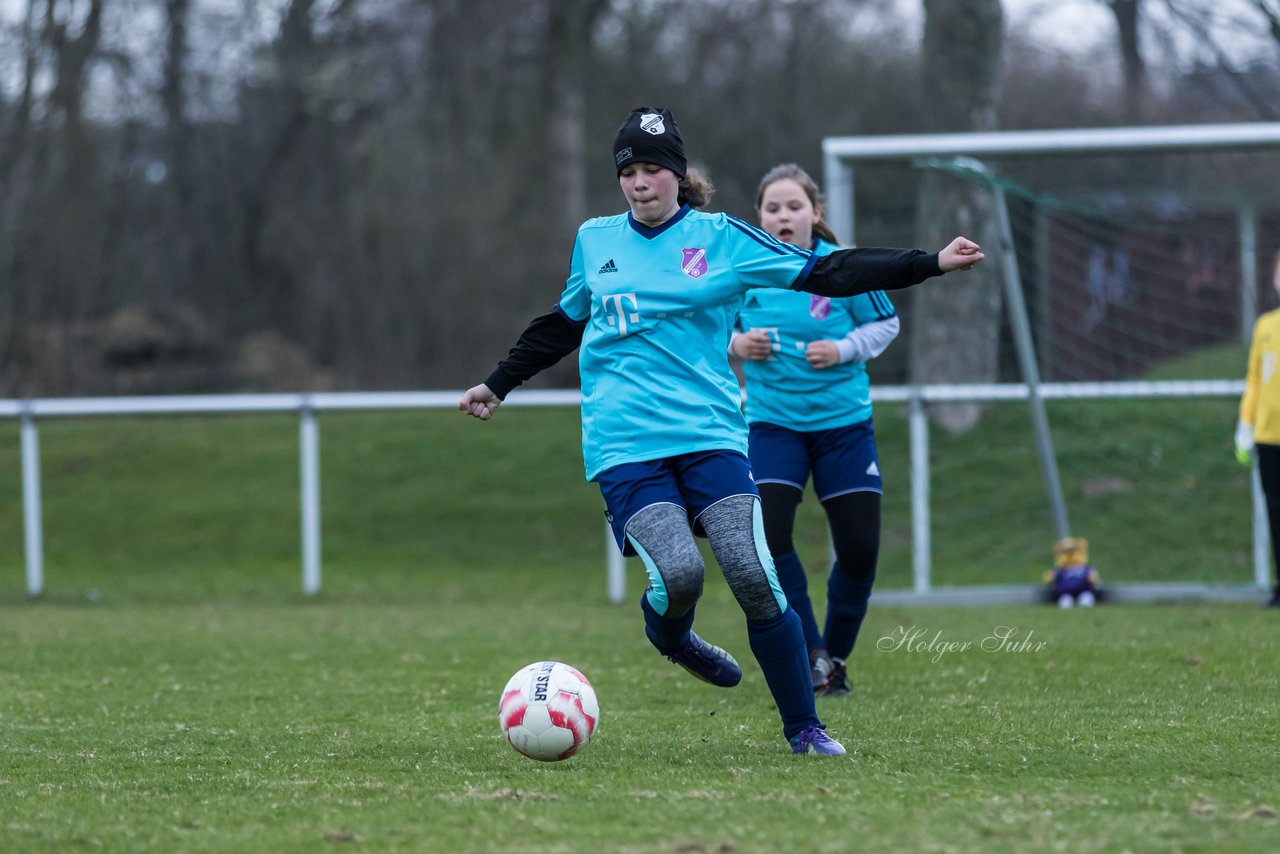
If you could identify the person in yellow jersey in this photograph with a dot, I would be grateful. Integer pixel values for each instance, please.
(1258, 430)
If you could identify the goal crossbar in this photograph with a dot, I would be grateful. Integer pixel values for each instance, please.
(840, 153)
(1206, 137)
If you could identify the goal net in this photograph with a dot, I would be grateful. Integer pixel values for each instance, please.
(1125, 268)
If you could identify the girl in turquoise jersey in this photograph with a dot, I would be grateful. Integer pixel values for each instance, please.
(809, 407)
(650, 299)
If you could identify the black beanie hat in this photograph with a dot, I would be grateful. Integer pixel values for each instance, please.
(650, 135)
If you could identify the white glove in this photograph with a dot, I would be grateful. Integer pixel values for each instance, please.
(1244, 443)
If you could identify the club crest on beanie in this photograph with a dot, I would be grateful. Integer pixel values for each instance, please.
(650, 135)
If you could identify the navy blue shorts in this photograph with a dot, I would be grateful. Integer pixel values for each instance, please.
(842, 460)
(692, 482)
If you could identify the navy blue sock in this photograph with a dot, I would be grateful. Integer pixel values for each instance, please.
(847, 598)
(795, 585)
(779, 647)
(667, 635)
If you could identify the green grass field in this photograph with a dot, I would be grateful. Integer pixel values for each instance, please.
(283, 726)
(174, 691)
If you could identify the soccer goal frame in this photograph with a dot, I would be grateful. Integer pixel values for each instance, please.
(970, 155)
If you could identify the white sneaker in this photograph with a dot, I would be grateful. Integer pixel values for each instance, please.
(820, 667)
(1065, 601)
(1086, 599)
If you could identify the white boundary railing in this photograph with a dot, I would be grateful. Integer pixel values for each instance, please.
(307, 406)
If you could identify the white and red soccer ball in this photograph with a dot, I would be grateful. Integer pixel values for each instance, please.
(548, 711)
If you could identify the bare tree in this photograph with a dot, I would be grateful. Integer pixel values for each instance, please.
(289, 106)
(174, 98)
(1128, 17)
(955, 327)
(1222, 64)
(72, 52)
(380, 185)
(13, 152)
(569, 26)
(66, 160)
(1271, 13)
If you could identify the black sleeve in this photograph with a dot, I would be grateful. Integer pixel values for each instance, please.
(846, 272)
(548, 339)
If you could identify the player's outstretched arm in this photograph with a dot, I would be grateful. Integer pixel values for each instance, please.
(479, 402)
(960, 254)
(856, 271)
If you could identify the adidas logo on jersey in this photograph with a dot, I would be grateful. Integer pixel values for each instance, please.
(609, 267)
(873, 469)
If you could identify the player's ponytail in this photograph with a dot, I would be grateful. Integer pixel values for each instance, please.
(696, 189)
(824, 231)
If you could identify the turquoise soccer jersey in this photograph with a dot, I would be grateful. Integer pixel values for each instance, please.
(785, 389)
(659, 305)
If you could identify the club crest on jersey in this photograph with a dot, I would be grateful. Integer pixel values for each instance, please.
(694, 262)
(819, 307)
(652, 123)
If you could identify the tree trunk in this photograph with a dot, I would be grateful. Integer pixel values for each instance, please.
(13, 194)
(71, 56)
(570, 25)
(178, 129)
(78, 166)
(955, 325)
(1127, 14)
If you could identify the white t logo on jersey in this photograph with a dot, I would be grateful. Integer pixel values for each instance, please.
(1268, 366)
(620, 315)
(775, 337)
